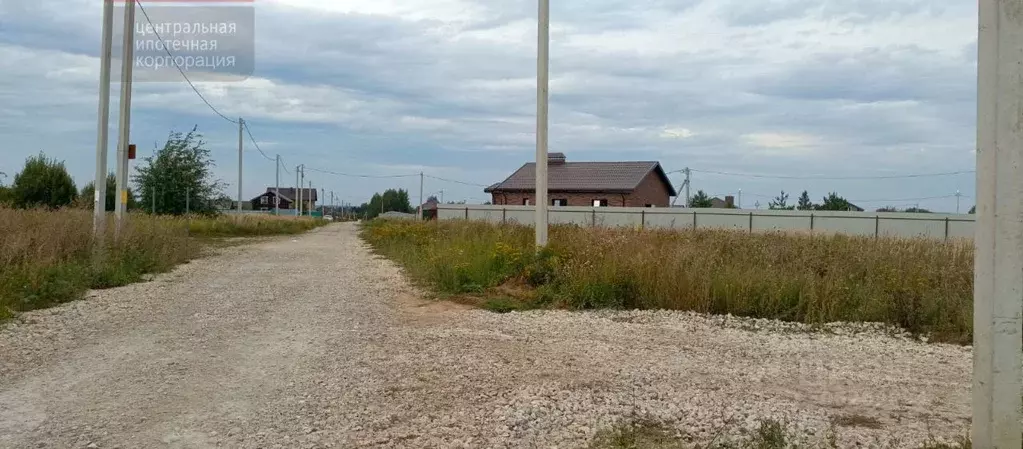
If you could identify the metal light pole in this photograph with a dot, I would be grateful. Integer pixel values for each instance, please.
(542, 85)
(998, 286)
(99, 220)
(124, 125)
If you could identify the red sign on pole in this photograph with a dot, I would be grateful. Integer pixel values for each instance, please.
(131, 151)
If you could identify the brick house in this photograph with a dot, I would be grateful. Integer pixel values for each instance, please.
(604, 184)
(266, 200)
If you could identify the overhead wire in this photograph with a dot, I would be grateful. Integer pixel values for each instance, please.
(766, 176)
(182, 72)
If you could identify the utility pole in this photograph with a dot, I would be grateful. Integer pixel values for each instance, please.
(241, 124)
(998, 259)
(958, 195)
(323, 205)
(688, 184)
(419, 210)
(301, 194)
(124, 125)
(277, 188)
(298, 188)
(188, 200)
(442, 196)
(99, 219)
(740, 198)
(542, 86)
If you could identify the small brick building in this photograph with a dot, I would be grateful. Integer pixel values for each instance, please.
(604, 184)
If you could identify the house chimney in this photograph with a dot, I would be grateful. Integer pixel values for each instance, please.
(729, 201)
(556, 159)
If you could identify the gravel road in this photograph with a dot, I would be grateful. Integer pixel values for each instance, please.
(313, 342)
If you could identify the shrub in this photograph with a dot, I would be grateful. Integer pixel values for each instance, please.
(43, 183)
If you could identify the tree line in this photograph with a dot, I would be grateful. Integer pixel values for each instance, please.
(832, 202)
(177, 178)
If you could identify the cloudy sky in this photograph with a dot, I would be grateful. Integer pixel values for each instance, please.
(790, 88)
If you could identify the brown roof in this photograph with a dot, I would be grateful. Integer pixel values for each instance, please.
(584, 177)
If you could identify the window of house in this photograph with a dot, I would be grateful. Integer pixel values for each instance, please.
(525, 201)
(559, 202)
(263, 200)
(649, 205)
(599, 203)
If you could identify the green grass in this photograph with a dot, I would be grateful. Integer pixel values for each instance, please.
(769, 435)
(923, 286)
(50, 257)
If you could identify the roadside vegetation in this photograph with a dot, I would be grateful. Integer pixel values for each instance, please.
(922, 286)
(48, 254)
(49, 257)
(769, 435)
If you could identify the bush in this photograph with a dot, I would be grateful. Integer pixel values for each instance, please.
(43, 183)
(923, 286)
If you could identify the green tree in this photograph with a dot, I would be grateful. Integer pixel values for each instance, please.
(835, 202)
(89, 192)
(700, 200)
(781, 202)
(179, 175)
(390, 201)
(888, 209)
(805, 203)
(43, 182)
(917, 210)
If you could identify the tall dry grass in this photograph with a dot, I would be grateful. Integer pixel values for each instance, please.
(923, 286)
(50, 257)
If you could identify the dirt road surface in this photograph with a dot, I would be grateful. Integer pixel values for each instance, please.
(313, 342)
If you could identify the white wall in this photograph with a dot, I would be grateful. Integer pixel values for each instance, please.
(852, 223)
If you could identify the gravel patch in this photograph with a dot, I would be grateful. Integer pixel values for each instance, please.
(313, 342)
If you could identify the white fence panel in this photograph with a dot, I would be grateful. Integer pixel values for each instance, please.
(938, 226)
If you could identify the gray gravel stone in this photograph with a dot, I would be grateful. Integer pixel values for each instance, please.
(314, 342)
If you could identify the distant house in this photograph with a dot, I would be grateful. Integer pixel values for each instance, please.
(602, 184)
(287, 199)
(430, 209)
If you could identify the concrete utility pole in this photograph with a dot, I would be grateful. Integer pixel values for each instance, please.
(542, 85)
(301, 194)
(958, 195)
(298, 187)
(323, 205)
(998, 286)
(277, 188)
(124, 125)
(419, 210)
(688, 184)
(740, 198)
(241, 146)
(99, 220)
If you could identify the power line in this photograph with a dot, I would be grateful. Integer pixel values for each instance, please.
(755, 175)
(253, 139)
(904, 199)
(455, 181)
(350, 175)
(182, 72)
